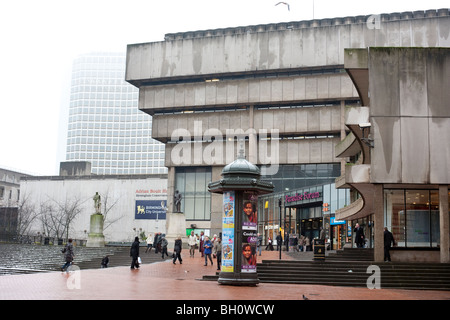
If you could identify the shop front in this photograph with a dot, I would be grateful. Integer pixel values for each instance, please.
(338, 234)
(302, 212)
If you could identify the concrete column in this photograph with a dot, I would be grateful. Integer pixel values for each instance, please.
(171, 188)
(444, 224)
(252, 139)
(378, 220)
(343, 135)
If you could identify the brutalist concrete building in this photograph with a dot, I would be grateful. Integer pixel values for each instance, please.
(282, 92)
(403, 131)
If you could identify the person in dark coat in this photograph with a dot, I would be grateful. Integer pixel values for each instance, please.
(157, 242)
(134, 253)
(279, 239)
(105, 262)
(388, 240)
(177, 250)
(359, 236)
(68, 255)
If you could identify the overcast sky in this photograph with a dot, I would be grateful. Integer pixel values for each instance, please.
(39, 40)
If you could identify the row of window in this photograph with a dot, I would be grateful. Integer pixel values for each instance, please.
(108, 121)
(108, 109)
(147, 170)
(116, 156)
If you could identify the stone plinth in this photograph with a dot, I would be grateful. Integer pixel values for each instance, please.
(175, 227)
(96, 238)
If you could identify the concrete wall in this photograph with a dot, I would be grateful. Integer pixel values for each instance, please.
(411, 115)
(318, 120)
(302, 151)
(270, 91)
(120, 193)
(281, 46)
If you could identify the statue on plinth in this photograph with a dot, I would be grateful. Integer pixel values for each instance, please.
(95, 236)
(97, 203)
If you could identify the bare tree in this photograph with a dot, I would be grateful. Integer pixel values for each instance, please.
(108, 204)
(27, 213)
(57, 216)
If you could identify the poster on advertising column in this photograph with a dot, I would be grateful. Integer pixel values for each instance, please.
(228, 232)
(249, 234)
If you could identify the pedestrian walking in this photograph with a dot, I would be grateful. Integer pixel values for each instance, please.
(192, 242)
(177, 250)
(269, 244)
(149, 243)
(359, 236)
(295, 243)
(202, 240)
(301, 243)
(307, 244)
(388, 240)
(164, 244)
(259, 243)
(217, 251)
(286, 241)
(279, 239)
(134, 253)
(105, 261)
(207, 245)
(68, 255)
(157, 242)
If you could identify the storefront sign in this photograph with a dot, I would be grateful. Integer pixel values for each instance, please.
(302, 197)
(334, 222)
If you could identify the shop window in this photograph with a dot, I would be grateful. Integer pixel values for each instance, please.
(413, 217)
(395, 214)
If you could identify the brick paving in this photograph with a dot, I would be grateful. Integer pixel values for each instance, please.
(166, 281)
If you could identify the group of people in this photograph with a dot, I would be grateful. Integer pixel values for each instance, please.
(206, 247)
(160, 244)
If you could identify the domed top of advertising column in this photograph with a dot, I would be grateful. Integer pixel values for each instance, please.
(241, 175)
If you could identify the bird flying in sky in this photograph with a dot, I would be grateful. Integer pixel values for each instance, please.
(285, 3)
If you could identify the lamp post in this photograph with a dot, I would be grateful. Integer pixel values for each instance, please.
(279, 205)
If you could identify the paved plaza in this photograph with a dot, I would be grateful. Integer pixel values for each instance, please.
(167, 281)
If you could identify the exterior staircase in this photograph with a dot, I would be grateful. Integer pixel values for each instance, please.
(353, 268)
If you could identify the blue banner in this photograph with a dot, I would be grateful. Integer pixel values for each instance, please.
(150, 209)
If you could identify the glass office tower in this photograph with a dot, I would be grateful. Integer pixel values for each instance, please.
(105, 126)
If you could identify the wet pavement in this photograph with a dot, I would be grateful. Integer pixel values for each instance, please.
(167, 281)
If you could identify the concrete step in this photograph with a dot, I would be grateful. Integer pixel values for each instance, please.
(352, 254)
(27, 258)
(347, 273)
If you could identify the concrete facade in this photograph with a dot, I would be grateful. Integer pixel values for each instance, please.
(407, 128)
(284, 79)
